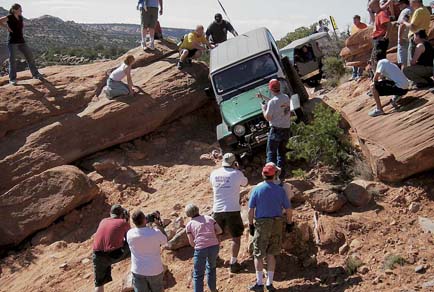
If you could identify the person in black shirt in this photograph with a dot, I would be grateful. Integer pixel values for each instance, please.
(14, 24)
(217, 31)
(421, 69)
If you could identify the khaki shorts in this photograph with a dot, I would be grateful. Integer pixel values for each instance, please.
(268, 237)
(149, 17)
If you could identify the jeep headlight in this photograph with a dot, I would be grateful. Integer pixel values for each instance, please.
(239, 130)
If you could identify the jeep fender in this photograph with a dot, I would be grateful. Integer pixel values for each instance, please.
(223, 132)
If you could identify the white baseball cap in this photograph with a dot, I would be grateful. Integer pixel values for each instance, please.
(228, 159)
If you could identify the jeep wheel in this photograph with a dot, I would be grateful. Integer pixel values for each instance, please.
(295, 81)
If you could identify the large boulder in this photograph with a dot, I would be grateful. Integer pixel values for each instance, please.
(166, 94)
(357, 193)
(67, 89)
(37, 202)
(325, 200)
(399, 144)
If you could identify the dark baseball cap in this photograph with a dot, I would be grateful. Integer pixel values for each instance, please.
(116, 210)
(406, 2)
(218, 17)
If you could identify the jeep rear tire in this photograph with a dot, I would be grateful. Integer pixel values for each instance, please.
(295, 80)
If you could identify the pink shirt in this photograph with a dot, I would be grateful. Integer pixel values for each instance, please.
(203, 232)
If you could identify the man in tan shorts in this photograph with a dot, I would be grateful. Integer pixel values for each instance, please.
(149, 17)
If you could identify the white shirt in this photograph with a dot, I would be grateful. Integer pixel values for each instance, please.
(404, 13)
(226, 183)
(393, 73)
(145, 246)
(119, 73)
(279, 107)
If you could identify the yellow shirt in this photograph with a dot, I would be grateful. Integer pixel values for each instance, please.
(420, 19)
(190, 39)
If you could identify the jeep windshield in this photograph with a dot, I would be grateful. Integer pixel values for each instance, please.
(245, 73)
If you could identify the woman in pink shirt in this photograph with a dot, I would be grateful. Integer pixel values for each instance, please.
(202, 234)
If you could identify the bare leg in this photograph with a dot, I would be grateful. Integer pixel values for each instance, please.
(99, 289)
(144, 30)
(376, 96)
(236, 243)
(184, 55)
(151, 34)
(197, 55)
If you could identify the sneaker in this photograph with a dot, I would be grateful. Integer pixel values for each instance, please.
(152, 46)
(257, 288)
(375, 112)
(369, 93)
(180, 65)
(38, 76)
(394, 100)
(351, 78)
(270, 288)
(13, 82)
(235, 268)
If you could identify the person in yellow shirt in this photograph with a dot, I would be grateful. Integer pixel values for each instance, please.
(420, 20)
(193, 45)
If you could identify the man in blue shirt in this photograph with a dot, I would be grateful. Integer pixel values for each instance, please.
(149, 17)
(266, 203)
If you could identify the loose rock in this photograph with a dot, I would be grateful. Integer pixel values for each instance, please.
(324, 200)
(357, 194)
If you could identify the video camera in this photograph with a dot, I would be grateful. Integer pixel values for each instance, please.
(125, 215)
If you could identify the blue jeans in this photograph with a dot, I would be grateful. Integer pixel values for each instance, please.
(13, 50)
(205, 257)
(357, 72)
(276, 147)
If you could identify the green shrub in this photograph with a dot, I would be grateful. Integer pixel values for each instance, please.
(299, 173)
(352, 263)
(392, 260)
(334, 69)
(320, 141)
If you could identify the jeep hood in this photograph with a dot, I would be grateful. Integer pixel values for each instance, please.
(243, 106)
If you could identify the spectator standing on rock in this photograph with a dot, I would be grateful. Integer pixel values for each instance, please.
(420, 20)
(193, 46)
(149, 17)
(405, 15)
(217, 31)
(145, 243)
(226, 182)
(421, 69)
(115, 87)
(14, 23)
(202, 234)
(322, 27)
(109, 246)
(277, 111)
(380, 36)
(357, 25)
(388, 80)
(265, 225)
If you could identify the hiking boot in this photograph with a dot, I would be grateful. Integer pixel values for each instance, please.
(375, 112)
(235, 268)
(39, 76)
(270, 288)
(257, 288)
(13, 82)
(180, 65)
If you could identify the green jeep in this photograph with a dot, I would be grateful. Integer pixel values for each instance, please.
(240, 68)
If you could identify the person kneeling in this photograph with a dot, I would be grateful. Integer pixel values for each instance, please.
(202, 233)
(115, 86)
(145, 242)
(193, 46)
(388, 80)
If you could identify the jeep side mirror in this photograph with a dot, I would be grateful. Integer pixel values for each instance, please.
(209, 92)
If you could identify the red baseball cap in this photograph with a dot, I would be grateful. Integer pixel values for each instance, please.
(269, 170)
(274, 85)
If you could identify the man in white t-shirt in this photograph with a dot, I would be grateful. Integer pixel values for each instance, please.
(388, 80)
(145, 245)
(226, 182)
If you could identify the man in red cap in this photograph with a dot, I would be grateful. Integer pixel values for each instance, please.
(277, 112)
(266, 203)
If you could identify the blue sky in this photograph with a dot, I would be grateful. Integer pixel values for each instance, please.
(280, 16)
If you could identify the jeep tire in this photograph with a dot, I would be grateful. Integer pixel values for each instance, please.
(295, 80)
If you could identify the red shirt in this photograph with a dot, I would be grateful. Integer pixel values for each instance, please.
(382, 18)
(110, 234)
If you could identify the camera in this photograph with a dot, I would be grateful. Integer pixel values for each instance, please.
(125, 215)
(155, 216)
